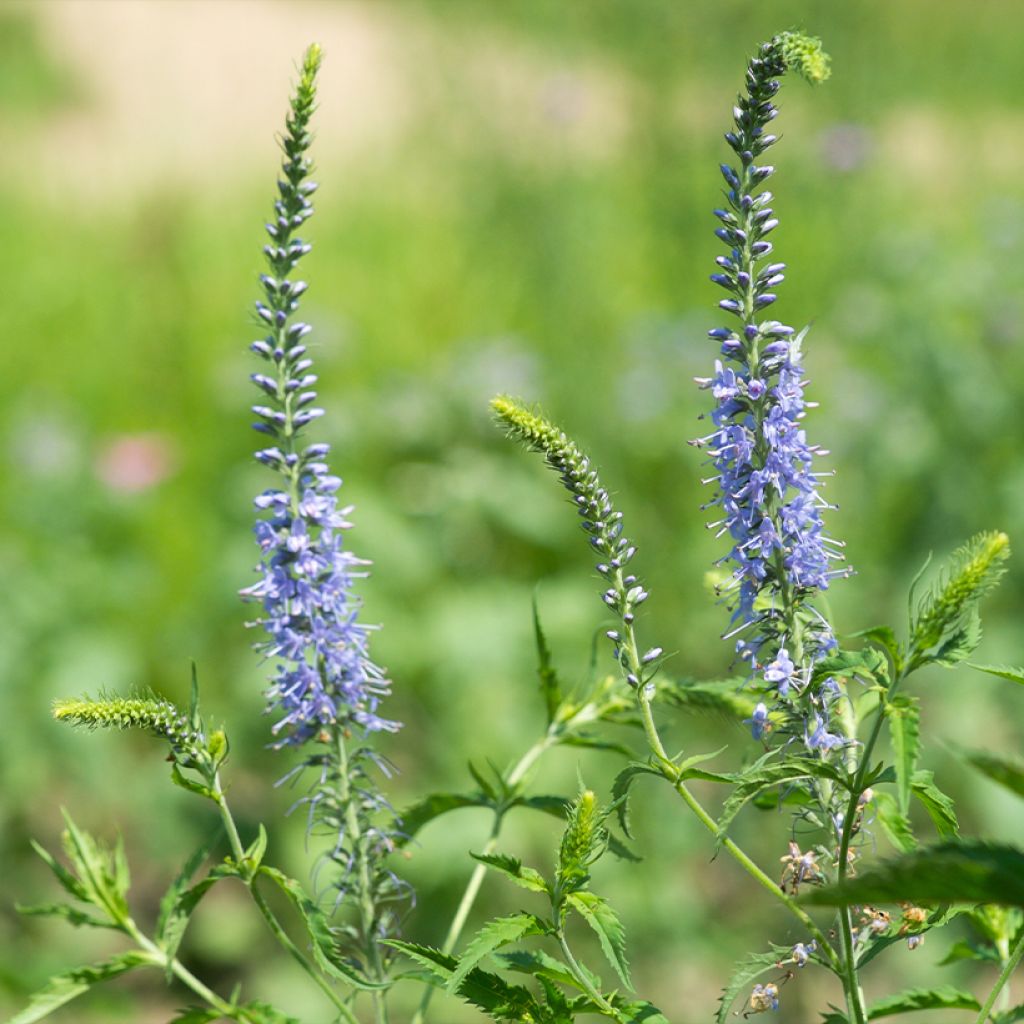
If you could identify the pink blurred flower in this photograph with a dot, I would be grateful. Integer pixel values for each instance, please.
(130, 463)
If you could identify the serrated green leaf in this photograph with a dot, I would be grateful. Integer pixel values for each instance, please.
(639, 1012)
(539, 964)
(197, 1015)
(1008, 772)
(621, 787)
(492, 936)
(171, 927)
(75, 917)
(65, 987)
(525, 877)
(903, 714)
(725, 697)
(944, 998)
(100, 871)
(325, 950)
(441, 965)
(486, 991)
(1015, 675)
(589, 742)
(938, 805)
(885, 636)
(177, 888)
(606, 924)
(894, 822)
(961, 643)
(61, 873)
(752, 782)
(962, 950)
(550, 687)
(264, 1013)
(968, 871)
(433, 806)
(745, 972)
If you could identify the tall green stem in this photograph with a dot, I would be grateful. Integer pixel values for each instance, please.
(851, 984)
(1004, 976)
(238, 853)
(367, 908)
(179, 970)
(476, 879)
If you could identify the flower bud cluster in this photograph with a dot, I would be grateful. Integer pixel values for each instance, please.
(150, 714)
(600, 521)
(324, 673)
(768, 494)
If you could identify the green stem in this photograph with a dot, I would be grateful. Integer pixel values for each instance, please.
(1004, 977)
(269, 916)
(476, 879)
(180, 971)
(671, 773)
(851, 984)
(367, 908)
(581, 977)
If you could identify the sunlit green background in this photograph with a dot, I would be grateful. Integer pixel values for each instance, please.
(515, 197)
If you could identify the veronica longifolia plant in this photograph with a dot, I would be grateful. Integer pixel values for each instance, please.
(818, 713)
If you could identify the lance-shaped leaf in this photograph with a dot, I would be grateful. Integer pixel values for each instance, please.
(177, 907)
(723, 697)
(75, 917)
(894, 822)
(961, 872)
(961, 643)
(525, 877)
(65, 987)
(621, 788)
(264, 1013)
(550, 687)
(484, 990)
(1015, 675)
(103, 872)
(1008, 772)
(606, 924)
(944, 998)
(903, 714)
(325, 950)
(539, 964)
(639, 1012)
(938, 805)
(433, 806)
(752, 782)
(492, 936)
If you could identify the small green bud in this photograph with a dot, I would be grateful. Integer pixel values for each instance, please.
(582, 842)
(217, 745)
(804, 55)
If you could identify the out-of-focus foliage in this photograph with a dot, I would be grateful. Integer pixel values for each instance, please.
(533, 218)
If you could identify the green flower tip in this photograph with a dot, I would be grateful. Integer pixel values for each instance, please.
(311, 62)
(804, 55)
(159, 717)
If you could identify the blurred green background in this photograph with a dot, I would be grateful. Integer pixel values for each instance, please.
(515, 197)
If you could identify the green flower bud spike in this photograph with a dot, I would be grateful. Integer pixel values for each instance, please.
(804, 55)
(160, 718)
(974, 570)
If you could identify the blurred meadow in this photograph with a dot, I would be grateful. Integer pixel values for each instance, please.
(515, 197)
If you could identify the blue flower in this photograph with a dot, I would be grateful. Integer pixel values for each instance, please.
(758, 721)
(324, 674)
